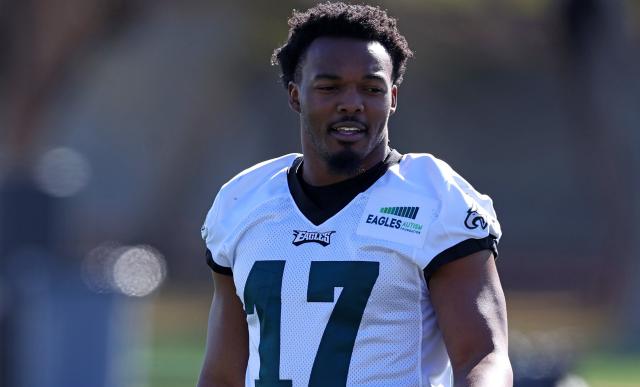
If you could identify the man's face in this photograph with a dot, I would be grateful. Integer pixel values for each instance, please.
(344, 95)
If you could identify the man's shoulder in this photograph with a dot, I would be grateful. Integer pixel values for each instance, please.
(246, 191)
(427, 168)
(258, 174)
(428, 175)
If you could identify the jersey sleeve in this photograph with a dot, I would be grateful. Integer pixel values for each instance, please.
(213, 235)
(466, 223)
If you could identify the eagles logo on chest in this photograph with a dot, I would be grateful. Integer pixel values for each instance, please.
(321, 238)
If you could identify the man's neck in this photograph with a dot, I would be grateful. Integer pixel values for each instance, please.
(316, 171)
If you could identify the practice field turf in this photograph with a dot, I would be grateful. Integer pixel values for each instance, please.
(175, 361)
(176, 347)
(610, 370)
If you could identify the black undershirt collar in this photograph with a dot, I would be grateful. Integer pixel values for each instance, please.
(321, 203)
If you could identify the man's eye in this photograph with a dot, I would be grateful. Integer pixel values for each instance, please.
(325, 88)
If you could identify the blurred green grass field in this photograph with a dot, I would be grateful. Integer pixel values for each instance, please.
(610, 370)
(177, 344)
(175, 361)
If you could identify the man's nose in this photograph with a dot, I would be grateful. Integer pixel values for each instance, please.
(351, 101)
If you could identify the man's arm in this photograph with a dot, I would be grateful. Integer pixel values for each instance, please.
(227, 350)
(471, 311)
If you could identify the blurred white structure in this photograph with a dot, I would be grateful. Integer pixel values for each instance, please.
(62, 172)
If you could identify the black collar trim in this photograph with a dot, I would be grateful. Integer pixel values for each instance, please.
(318, 204)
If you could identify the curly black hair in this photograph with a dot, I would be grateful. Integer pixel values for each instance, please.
(340, 20)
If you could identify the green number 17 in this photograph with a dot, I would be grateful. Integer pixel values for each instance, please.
(263, 295)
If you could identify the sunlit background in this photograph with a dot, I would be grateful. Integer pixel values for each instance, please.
(120, 119)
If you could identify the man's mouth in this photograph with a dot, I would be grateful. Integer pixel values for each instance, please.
(347, 130)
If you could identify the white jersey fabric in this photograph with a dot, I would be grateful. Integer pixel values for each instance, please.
(344, 302)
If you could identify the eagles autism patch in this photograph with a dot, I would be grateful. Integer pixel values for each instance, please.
(398, 216)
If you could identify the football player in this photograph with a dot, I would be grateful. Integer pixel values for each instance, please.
(352, 264)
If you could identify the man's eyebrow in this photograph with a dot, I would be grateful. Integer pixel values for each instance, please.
(374, 77)
(332, 77)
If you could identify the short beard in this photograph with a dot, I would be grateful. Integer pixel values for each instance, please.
(346, 163)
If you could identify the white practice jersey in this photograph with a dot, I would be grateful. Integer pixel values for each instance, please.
(345, 302)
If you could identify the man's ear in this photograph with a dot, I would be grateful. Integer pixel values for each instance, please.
(394, 98)
(294, 96)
